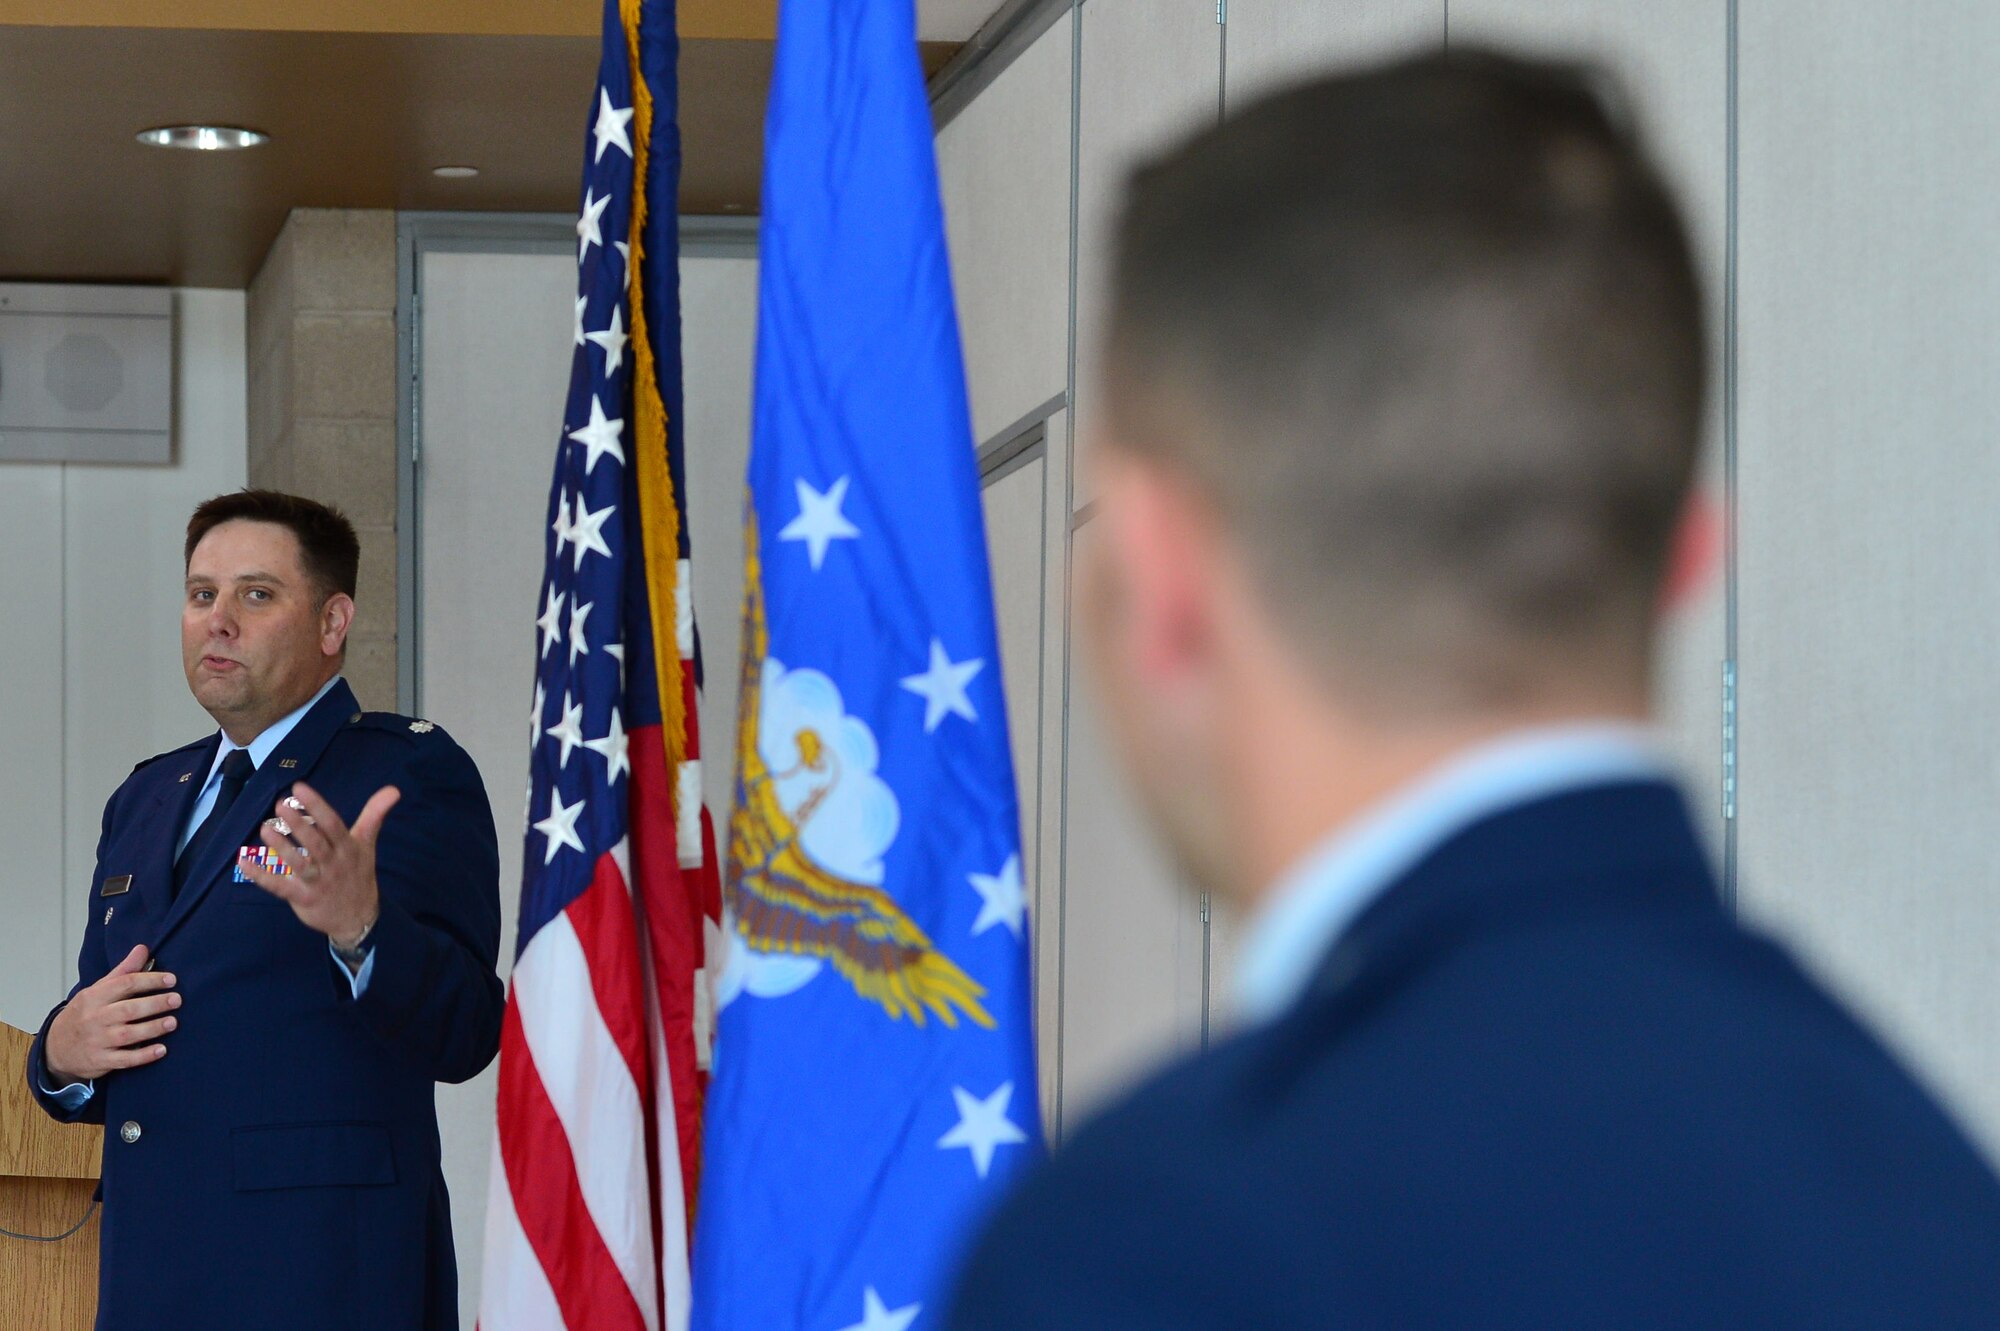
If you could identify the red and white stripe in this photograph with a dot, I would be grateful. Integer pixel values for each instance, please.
(572, 1158)
(602, 1064)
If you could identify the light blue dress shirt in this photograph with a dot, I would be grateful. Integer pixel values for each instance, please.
(260, 748)
(1323, 893)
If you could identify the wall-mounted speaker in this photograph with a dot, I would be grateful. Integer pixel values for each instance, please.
(86, 373)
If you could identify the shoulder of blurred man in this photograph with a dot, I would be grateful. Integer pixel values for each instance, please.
(1509, 1102)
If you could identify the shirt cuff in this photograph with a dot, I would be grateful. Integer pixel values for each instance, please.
(357, 980)
(71, 1097)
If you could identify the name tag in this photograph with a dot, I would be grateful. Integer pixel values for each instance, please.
(116, 887)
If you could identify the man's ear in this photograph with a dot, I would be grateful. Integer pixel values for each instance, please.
(1161, 531)
(1695, 554)
(336, 617)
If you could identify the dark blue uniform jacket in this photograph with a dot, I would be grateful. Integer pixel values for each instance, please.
(1545, 1082)
(282, 1168)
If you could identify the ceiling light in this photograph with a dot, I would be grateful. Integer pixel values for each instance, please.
(454, 172)
(203, 138)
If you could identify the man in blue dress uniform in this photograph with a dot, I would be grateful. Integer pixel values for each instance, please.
(1403, 398)
(293, 931)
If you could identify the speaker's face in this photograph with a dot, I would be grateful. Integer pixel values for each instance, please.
(252, 639)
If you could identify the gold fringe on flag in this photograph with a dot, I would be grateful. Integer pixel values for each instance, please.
(658, 514)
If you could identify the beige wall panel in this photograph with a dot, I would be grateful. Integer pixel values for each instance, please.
(126, 697)
(1015, 549)
(90, 681)
(719, 315)
(1151, 74)
(36, 962)
(1673, 60)
(1016, 505)
(1003, 164)
(1046, 872)
(496, 345)
(1132, 934)
(1870, 576)
(1274, 42)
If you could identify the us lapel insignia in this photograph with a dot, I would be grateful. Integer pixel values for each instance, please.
(116, 887)
(289, 762)
(187, 776)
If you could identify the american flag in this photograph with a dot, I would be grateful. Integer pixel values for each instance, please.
(604, 1048)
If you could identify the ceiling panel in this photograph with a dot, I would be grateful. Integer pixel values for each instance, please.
(357, 120)
(937, 20)
(953, 20)
(754, 19)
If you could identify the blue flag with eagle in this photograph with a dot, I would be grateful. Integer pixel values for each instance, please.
(873, 1086)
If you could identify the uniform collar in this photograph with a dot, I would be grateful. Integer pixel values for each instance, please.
(1315, 901)
(272, 735)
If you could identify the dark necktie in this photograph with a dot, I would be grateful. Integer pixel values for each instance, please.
(237, 768)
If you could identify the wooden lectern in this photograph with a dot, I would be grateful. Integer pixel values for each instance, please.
(47, 1174)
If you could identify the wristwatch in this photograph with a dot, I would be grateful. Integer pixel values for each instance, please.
(356, 952)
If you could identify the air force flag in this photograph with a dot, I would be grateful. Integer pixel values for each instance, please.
(874, 1077)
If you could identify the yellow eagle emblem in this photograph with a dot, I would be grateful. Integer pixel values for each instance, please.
(781, 901)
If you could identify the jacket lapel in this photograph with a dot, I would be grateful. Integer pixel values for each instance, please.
(287, 763)
(179, 783)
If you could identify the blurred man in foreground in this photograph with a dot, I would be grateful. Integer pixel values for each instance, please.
(1404, 386)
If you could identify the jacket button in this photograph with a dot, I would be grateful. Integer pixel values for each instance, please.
(129, 1133)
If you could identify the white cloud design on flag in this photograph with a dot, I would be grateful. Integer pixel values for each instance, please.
(853, 823)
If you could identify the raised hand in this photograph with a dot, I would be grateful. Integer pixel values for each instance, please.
(332, 884)
(115, 1023)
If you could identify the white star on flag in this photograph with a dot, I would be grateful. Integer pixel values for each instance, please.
(624, 252)
(586, 531)
(578, 644)
(582, 307)
(983, 1126)
(613, 747)
(588, 230)
(1003, 898)
(535, 720)
(569, 733)
(562, 520)
(612, 338)
(601, 436)
(560, 826)
(610, 128)
(942, 687)
(877, 1316)
(551, 621)
(820, 521)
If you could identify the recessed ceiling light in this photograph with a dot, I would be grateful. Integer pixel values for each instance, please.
(454, 172)
(203, 138)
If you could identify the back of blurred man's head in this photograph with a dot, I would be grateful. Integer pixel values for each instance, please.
(1420, 349)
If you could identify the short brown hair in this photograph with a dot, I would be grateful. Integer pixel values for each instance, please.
(329, 551)
(1430, 336)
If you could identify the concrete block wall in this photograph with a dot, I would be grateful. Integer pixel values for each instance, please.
(322, 394)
